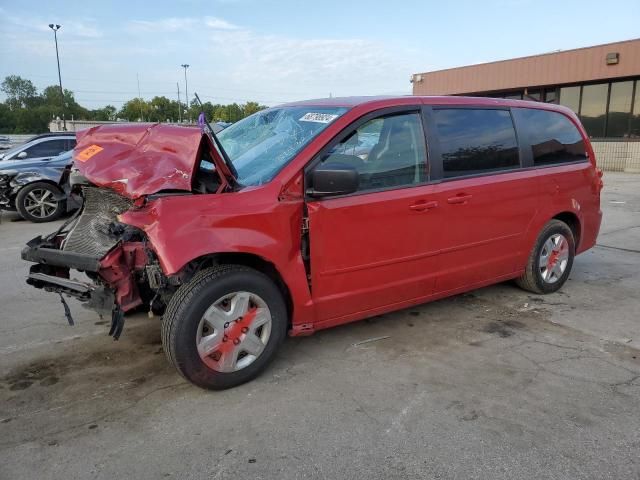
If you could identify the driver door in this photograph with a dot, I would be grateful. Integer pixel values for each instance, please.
(376, 248)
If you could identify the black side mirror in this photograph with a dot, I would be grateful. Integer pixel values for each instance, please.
(333, 179)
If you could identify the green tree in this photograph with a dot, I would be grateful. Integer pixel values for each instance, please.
(136, 110)
(31, 120)
(163, 109)
(26, 111)
(104, 114)
(252, 107)
(7, 120)
(20, 92)
(51, 98)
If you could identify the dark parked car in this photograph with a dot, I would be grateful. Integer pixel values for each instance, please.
(37, 187)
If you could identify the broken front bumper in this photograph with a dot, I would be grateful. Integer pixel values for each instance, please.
(6, 192)
(112, 255)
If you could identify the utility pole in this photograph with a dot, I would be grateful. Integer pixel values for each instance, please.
(55, 29)
(186, 86)
(179, 104)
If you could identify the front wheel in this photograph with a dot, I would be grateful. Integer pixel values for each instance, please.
(37, 202)
(223, 327)
(551, 259)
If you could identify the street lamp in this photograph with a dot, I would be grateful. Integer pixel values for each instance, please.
(186, 87)
(55, 29)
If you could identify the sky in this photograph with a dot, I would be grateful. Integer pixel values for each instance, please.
(274, 51)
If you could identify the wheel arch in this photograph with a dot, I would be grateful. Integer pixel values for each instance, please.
(250, 260)
(36, 179)
(573, 222)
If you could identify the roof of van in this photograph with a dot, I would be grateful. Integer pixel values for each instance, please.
(384, 101)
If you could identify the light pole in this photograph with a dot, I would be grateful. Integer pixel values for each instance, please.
(186, 87)
(55, 29)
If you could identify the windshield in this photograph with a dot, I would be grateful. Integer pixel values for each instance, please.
(260, 145)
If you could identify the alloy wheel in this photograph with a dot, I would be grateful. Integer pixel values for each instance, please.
(40, 203)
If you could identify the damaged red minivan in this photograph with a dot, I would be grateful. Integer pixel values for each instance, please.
(318, 213)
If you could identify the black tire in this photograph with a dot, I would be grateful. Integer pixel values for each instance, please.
(532, 280)
(181, 321)
(24, 202)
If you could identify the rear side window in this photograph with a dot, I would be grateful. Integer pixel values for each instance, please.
(474, 141)
(553, 137)
(47, 148)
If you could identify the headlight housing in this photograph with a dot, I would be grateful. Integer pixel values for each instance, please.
(6, 176)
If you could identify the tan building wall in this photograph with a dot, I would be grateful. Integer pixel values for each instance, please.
(571, 66)
(617, 156)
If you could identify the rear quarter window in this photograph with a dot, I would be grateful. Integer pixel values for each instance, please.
(475, 141)
(552, 137)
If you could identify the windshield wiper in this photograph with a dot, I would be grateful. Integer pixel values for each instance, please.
(214, 137)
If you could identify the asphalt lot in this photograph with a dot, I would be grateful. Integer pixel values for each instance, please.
(493, 384)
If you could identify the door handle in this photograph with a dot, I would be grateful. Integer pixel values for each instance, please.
(421, 206)
(459, 199)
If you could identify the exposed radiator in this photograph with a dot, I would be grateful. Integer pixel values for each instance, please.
(90, 235)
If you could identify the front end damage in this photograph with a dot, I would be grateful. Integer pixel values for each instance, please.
(119, 168)
(7, 194)
(115, 258)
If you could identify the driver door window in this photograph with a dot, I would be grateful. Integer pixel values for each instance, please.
(387, 152)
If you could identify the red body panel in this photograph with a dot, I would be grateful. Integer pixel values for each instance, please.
(118, 268)
(370, 253)
(377, 251)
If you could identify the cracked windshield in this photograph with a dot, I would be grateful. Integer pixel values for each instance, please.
(260, 145)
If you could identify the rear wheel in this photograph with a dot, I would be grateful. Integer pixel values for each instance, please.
(223, 327)
(37, 202)
(551, 259)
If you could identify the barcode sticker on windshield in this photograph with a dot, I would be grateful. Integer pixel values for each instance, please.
(318, 117)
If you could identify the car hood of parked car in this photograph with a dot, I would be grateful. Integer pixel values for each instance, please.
(139, 159)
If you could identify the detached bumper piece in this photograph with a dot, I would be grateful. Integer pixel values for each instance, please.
(56, 284)
(115, 289)
(37, 251)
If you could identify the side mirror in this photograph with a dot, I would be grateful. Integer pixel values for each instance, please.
(333, 179)
(22, 155)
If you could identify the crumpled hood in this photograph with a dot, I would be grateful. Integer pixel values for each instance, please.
(137, 159)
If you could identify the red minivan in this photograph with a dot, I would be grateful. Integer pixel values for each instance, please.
(317, 213)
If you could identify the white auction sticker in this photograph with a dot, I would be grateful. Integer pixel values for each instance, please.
(318, 117)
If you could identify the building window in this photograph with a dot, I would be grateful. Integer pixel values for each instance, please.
(513, 96)
(619, 109)
(570, 97)
(634, 131)
(535, 95)
(552, 136)
(474, 141)
(593, 108)
(551, 95)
